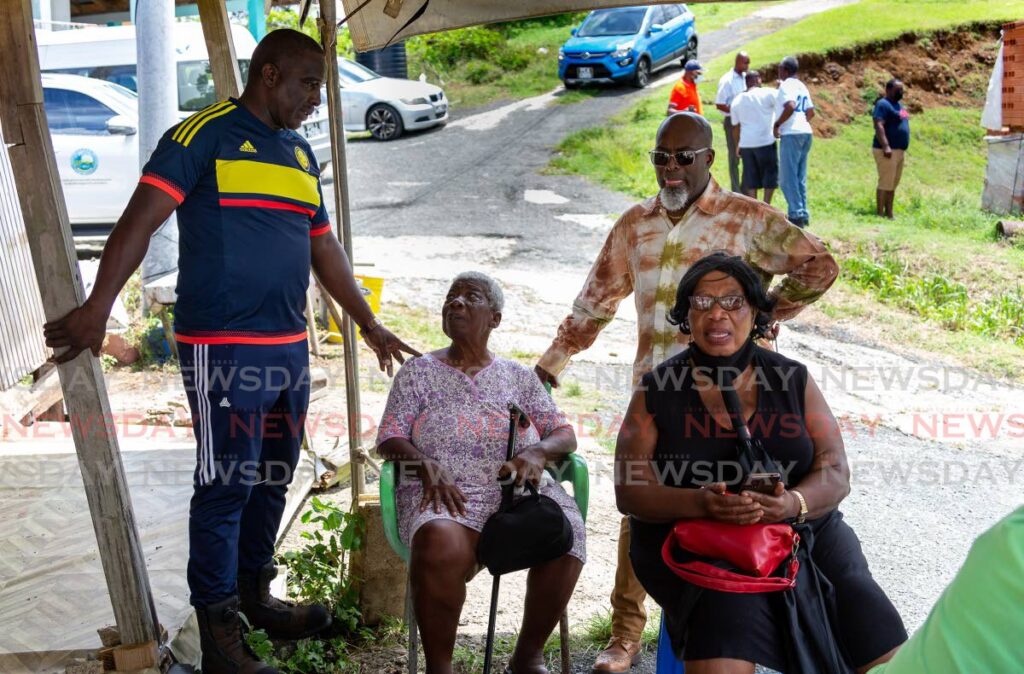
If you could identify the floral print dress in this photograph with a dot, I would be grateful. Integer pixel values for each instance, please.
(462, 423)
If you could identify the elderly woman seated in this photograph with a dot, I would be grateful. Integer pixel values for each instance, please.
(446, 421)
(678, 447)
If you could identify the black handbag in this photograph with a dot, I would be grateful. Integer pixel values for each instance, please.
(524, 532)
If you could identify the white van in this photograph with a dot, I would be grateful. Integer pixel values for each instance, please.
(94, 128)
(108, 53)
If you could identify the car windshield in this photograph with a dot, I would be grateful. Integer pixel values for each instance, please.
(613, 22)
(122, 94)
(354, 73)
(195, 84)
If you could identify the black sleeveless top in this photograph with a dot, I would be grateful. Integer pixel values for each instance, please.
(693, 449)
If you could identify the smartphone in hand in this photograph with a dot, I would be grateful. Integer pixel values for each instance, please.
(762, 483)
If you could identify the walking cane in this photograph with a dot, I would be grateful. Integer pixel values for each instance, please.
(514, 415)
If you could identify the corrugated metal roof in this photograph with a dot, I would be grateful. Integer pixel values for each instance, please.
(21, 311)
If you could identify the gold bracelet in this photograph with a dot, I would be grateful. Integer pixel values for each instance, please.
(802, 517)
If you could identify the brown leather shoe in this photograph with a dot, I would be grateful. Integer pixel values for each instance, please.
(618, 656)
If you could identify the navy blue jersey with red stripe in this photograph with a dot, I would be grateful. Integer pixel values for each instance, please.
(249, 201)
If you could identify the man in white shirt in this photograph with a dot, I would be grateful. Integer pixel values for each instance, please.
(732, 84)
(794, 111)
(753, 123)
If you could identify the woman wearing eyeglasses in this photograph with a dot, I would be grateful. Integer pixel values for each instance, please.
(678, 448)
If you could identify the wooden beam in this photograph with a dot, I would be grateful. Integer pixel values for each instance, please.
(60, 284)
(28, 403)
(227, 78)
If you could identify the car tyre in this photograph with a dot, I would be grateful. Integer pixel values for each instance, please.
(384, 122)
(642, 76)
(691, 50)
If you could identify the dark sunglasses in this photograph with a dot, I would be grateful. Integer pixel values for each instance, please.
(683, 157)
(727, 302)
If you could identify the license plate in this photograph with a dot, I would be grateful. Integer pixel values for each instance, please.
(312, 129)
(585, 73)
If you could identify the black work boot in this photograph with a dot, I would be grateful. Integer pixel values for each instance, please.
(222, 642)
(280, 619)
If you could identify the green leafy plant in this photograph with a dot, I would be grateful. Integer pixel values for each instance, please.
(481, 72)
(513, 58)
(466, 659)
(148, 336)
(311, 656)
(449, 48)
(319, 569)
(937, 298)
(280, 17)
(262, 646)
(320, 574)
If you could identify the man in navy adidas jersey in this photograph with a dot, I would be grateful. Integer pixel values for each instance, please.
(252, 222)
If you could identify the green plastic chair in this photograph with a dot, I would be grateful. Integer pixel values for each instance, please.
(572, 469)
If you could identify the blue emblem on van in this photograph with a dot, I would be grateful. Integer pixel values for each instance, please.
(84, 161)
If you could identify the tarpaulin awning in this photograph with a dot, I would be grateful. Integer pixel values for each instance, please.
(380, 22)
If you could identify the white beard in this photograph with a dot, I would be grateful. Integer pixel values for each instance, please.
(674, 199)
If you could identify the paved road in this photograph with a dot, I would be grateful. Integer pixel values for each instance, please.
(479, 176)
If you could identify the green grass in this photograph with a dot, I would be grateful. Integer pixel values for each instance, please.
(614, 155)
(598, 630)
(420, 328)
(869, 21)
(571, 96)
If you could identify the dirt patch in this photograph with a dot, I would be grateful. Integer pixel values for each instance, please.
(942, 68)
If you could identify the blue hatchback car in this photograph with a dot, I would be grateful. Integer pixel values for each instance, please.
(627, 44)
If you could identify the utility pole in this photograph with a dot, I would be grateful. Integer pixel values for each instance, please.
(158, 111)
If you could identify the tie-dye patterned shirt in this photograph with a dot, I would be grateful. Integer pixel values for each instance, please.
(647, 255)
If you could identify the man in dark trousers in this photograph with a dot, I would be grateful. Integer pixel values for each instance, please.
(731, 85)
(252, 222)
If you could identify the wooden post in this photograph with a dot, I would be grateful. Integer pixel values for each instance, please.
(53, 254)
(328, 24)
(227, 78)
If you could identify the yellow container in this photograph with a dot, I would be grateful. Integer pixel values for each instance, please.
(372, 287)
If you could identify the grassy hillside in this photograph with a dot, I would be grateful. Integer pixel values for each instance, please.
(870, 21)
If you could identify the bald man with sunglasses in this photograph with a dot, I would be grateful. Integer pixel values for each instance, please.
(646, 254)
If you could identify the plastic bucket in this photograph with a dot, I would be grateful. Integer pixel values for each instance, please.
(372, 287)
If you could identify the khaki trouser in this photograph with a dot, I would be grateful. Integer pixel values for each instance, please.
(628, 613)
(890, 169)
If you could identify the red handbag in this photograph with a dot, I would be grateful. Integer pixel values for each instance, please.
(756, 550)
